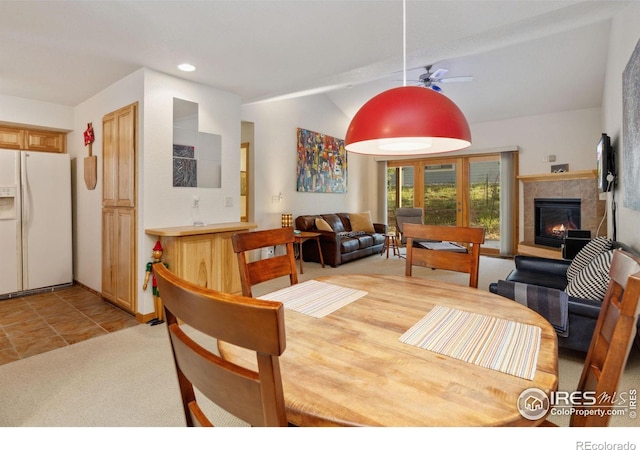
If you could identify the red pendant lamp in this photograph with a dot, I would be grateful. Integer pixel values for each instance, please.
(408, 120)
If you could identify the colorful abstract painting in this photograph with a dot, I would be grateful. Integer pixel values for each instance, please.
(322, 163)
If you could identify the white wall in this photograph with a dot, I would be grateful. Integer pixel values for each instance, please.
(625, 32)
(218, 113)
(570, 135)
(22, 111)
(87, 205)
(274, 164)
(162, 205)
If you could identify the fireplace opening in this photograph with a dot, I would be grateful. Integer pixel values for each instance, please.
(553, 217)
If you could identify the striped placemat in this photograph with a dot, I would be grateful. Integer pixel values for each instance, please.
(314, 298)
(498, 344)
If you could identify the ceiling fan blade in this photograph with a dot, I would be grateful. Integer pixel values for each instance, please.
(455, 79)
(438, 74)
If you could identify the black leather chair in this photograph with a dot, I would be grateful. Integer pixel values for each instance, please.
(552, 273)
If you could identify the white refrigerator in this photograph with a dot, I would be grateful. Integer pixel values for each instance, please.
(35, 222)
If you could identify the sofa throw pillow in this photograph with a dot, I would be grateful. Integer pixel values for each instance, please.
(587, 254)
(322, 224)
(361, 222)
(592, 281)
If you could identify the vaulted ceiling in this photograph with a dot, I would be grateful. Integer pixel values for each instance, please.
(525, 57)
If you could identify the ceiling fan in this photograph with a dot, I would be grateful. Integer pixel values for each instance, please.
(432, 79)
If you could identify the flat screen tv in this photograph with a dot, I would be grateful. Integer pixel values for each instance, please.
(606, 166)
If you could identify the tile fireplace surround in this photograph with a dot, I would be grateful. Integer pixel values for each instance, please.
(580, 185)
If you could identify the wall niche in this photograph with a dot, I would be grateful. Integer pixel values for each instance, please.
(197, 156)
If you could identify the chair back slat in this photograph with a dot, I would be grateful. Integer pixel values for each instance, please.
(253, 396)
(612, 338)
(471, 237)
(259, 271)
(270, 268)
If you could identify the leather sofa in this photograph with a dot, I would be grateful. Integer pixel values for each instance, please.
(552, 273)
(342, 244)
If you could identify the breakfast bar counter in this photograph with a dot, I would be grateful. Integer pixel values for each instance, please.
(204, 254)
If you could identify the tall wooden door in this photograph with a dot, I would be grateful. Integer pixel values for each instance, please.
(119, 208)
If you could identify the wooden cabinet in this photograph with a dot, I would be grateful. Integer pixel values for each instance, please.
(35, 140)
(119, 212)
(11, 138)
(118, 157)
(194, 257)
(46, 141)
(119, 256)
(203, 255)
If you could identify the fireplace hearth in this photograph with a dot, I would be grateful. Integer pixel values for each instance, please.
(553, 217)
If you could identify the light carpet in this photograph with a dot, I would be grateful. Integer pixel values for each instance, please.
(127, 379)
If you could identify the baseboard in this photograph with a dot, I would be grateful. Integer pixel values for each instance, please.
(144, 318)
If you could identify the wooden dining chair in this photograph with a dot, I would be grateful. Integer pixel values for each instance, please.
(253, 396)
(467, 261)
(612, 340)
(255, 272)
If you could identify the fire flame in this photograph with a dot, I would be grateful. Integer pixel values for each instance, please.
(558, 230)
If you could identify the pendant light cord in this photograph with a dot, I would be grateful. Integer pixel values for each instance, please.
(404, 42)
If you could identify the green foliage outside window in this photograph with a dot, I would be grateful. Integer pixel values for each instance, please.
(440, 205)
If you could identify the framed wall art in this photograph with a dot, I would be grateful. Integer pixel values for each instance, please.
(321, 163)
(185, 166)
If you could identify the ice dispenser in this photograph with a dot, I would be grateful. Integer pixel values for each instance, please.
(7, 203)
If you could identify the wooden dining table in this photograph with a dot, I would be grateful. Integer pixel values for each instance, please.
(349, 368)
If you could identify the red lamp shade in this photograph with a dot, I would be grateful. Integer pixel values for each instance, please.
(408, 120)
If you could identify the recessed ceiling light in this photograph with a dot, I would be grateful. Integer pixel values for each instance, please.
(186, 67)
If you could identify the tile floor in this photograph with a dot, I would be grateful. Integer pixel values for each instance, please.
(38, 323)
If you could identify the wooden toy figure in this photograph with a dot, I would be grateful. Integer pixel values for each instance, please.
(157, 301)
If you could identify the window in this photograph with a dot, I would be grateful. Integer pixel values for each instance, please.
(473, 190)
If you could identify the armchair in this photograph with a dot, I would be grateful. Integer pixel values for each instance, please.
(550, 275)
(407, 215)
